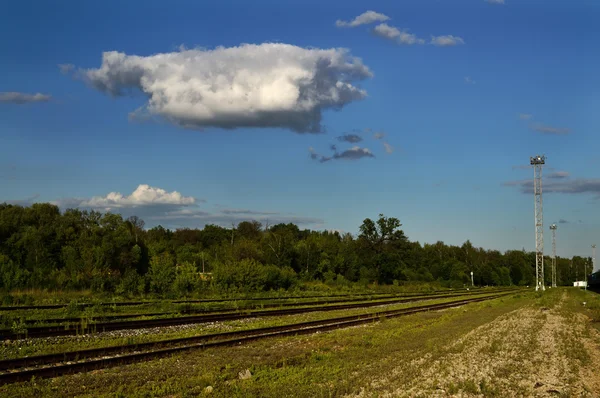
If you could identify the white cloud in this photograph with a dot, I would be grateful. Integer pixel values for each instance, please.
(144, 195)
(525, 116)
(468, 80)
(354, 153)
(392, 33)
(265, 85)
(388, 148)
(378, 136)
(66, 68)
(363, 19)
(172, 209)
(446, 41)
(540, 128)
(495, 1)
(13, 97)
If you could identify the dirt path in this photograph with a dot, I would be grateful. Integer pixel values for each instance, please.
(530, 352)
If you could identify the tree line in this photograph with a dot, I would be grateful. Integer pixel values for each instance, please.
(42, 248)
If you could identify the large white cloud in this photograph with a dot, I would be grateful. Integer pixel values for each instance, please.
(365, 18)
(265, 85)
(144, 195)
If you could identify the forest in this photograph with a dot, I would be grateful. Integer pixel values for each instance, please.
(44, 248)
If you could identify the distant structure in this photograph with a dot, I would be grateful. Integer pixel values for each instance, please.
(594, 258)
(553, 229)
(538, 163)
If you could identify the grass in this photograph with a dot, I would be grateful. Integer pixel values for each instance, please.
(303, 289)
(322, 365)
(23, 348)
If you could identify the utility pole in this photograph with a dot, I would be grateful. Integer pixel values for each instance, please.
(472, 282)
(593, 257)
(538, 163)
(553, 229)
(585, 273)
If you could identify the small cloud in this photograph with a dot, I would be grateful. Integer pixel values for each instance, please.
(564, 185)
(354, 153)
(525, 116)
(351, 138)
(540, 128)
(65, 69)
(144, 195)
(522, 167)
(22, 98)
(446, 41)
(557, 175)
(401, 37)
(563, 221)
(378, 136)
(388, 148)
(249, 212)
(24, 202)
(495, 1)
(365, 18)
(468, 80)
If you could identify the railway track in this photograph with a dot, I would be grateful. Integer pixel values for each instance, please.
(107, 318)
(198, 301)
(53, 365)
(69, 330)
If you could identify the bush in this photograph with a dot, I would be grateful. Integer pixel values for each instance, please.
(250, 275)
(162, 273)
(186, 279)
(130, 284)
(11, 275)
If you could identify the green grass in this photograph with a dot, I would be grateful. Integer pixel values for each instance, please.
(23, 348)
(322, 365)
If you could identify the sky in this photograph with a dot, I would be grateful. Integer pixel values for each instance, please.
(188, 113)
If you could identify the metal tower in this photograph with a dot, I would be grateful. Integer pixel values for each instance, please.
(553, 229)
(538, 163)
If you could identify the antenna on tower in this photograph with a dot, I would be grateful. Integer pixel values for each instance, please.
(538, 163)
(553, 229)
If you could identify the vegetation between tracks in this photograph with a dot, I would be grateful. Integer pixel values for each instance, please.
(29, 347)
(326, 364)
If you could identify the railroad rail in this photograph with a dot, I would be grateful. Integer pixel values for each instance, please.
(54, 365)
(52, 331)
(75, 320)
(200, 301)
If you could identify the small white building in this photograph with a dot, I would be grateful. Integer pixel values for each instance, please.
(580, 284)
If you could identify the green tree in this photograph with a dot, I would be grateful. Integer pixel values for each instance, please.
(162, 273)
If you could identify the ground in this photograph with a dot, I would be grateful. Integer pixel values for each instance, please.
(531, 344)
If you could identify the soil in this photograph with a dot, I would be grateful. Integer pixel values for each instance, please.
(530, 352)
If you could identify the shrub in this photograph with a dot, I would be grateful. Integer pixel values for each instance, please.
(250, 275)
(186, 279)
(162, 273)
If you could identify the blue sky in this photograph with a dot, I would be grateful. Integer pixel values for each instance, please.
(461, 119)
